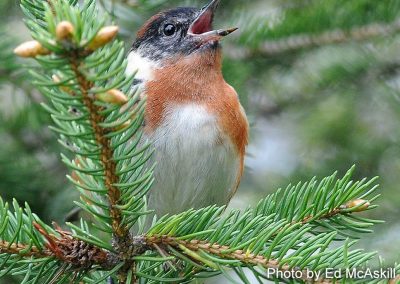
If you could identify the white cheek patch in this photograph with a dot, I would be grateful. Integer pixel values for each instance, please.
(143, 66)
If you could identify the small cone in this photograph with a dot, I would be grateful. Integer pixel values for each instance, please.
(31, 48)
(64, 30)
(113, 96)
(104, 36)
(361, 205)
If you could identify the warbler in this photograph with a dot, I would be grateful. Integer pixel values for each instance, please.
(193, 118)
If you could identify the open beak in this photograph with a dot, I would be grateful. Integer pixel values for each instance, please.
(202, 25)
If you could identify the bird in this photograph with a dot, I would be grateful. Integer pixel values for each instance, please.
(193, 118)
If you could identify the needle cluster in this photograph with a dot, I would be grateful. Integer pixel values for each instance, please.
(98, 118)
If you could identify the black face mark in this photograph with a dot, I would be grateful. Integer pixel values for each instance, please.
(166, 35)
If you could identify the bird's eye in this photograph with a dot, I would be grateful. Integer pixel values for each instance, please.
(169, 29)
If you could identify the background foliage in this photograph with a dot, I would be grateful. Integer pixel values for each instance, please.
(313, 109)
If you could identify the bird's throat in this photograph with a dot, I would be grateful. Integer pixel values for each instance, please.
(205, 60)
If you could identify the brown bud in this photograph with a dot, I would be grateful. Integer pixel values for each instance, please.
(64, 30)
(31, 48)
(113, 96)
(104, 36)
(361, 205)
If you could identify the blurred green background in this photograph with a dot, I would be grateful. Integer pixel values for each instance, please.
(320, 81)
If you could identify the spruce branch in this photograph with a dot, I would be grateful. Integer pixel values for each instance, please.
(21, 250)
(211, 245)
(104, 144)
(70, 250)
(294, 28)
(196, 248)
(94, 121)
(269, 235)
(66, 249)
(98, 117)
(42, 252)
(325, 205)
(309, 40)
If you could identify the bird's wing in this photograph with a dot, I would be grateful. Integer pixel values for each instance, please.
(235, 124)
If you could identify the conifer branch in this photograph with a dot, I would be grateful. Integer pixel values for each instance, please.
(23, 250)
(304, 41)
(107, 154)
(84, 79)
(95, 123)
(121, 233)
(223, 252)
(70, 250)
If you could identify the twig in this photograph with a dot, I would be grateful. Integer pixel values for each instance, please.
(122, 238)
(13, 248)
(65, 248)
(302, 41)
(107, 161)
(73, 251)
(242, 256)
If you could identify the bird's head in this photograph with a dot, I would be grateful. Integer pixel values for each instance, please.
(178, 33)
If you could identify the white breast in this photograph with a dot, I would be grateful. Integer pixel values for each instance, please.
(196, 165)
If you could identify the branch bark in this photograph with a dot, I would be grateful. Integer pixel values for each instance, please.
(220, 251)
(122, 237)
(22, 250)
